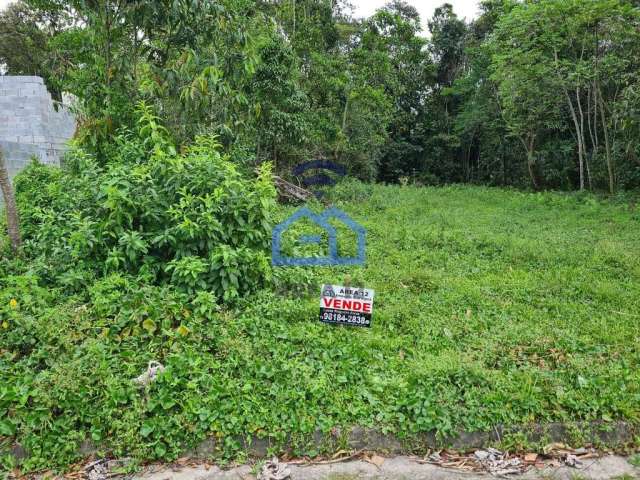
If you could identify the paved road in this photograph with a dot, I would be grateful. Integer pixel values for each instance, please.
(403, 468)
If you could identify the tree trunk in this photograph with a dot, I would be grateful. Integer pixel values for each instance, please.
(607, 147)
(504, 166)
(576, 124)
(531, 160)
(579, 138)
(467, 162)
(293, 37)
(13, 223)
(336, 152)
(594, 141)
(583, 160)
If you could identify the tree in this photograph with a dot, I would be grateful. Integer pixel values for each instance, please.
(25, 35)
(191, 59)
(526, 85)
(577, 67)
(488, 153)
(407, 73)
(447, 43)
(280, 128)
(23, 45)
(13, 221)
(289, 80)
(441, 145)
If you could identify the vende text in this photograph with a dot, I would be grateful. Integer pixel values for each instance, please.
(353, 305)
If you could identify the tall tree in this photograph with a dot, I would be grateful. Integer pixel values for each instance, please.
(447, 43)
(26, 33)
(281, 128)
(441, 143)
(526, 86)
(407, 73)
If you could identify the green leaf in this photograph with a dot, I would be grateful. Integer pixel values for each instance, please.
(146, 429)
(149, 325)
(7, 428)
(160, 449)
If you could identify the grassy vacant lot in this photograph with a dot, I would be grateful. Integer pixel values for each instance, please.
(491, 307)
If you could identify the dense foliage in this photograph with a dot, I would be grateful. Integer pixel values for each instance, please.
(192, 220)
(151, 242)
(521, 309)
(513, 97)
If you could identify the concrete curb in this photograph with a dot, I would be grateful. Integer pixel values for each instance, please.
(612, 435)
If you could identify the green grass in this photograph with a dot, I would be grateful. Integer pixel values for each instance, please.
(492, 307)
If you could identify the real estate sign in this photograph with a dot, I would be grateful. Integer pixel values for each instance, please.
(346, 305)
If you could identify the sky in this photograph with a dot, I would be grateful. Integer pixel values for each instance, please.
(463, 8)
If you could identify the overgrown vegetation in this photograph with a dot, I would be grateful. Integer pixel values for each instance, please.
(494, 307)
(192, 220)
(513, 97)
(152, 241)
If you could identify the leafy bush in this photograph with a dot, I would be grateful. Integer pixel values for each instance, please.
(66, 366)
(192, 219)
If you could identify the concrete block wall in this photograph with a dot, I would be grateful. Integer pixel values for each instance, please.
(29, 123)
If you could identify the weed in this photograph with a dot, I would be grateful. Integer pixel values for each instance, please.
(493, 307)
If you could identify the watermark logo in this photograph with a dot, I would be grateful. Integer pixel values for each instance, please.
(320, 179)
(322, 220)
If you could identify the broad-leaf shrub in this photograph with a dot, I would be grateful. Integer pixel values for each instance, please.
(192, 219)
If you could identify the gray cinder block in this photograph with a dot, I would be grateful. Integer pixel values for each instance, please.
(29, 123)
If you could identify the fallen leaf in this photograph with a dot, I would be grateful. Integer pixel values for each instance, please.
(531, 457)
(552, 447)
(339, 453)
(588, 455)
(377, 460)
(182, 330)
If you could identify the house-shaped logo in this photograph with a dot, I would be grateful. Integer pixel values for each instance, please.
(322, 220)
